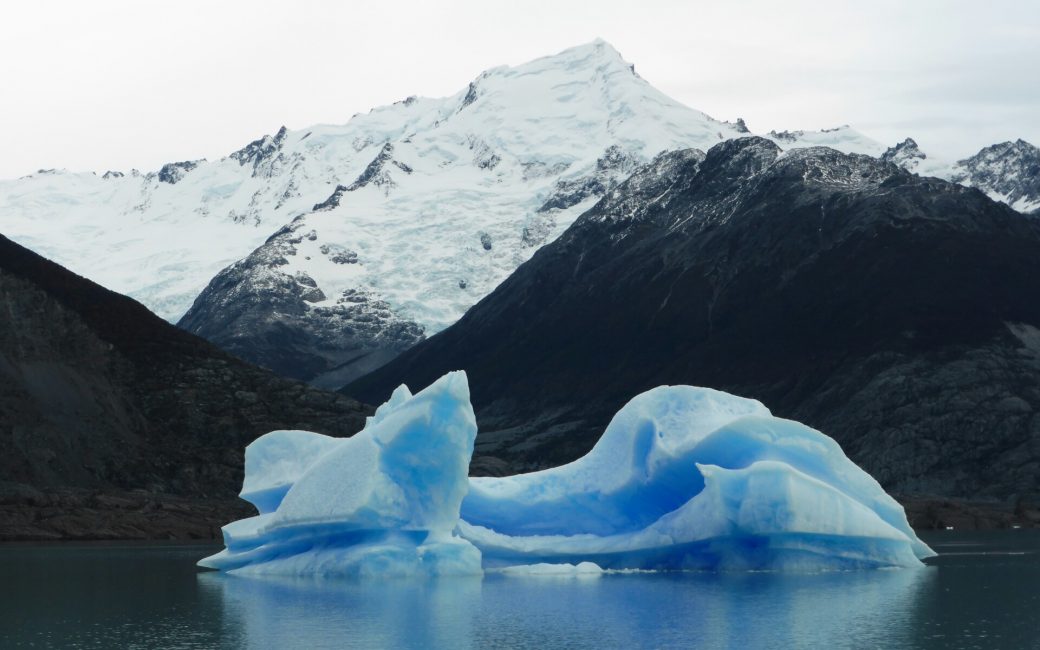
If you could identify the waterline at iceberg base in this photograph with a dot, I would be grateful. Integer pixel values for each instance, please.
(683, 478)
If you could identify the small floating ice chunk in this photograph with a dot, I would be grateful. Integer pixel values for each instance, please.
(582, 569)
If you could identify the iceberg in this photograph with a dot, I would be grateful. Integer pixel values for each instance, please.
(683, 478)
(384, 502)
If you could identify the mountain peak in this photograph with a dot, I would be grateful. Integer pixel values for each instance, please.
(603, 49)
(1007, 171)
(1004, 149)
(906, 154)
(594, 56)
(597, 66)
(597, 47)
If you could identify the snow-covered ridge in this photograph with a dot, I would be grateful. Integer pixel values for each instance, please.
(1008, 172)
(467, 170)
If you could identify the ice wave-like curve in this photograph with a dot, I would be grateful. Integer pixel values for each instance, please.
(683, 478)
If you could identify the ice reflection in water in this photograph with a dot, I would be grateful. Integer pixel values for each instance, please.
(981, 592)
(761, 610)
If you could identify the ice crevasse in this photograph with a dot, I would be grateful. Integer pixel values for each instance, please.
(682, 478)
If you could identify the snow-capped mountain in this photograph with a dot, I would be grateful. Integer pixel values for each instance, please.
(325, 251)
(438, 200)
(513, 132)
(907, 155)
(1008, 172)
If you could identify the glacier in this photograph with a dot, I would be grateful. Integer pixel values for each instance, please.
(683, 478)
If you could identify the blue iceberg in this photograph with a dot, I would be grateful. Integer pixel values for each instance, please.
(682, 478)
(384, 502)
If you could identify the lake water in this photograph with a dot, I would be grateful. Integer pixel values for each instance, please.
(982, 592)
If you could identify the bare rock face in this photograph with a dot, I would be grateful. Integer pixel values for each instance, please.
(895, 312)
(259, 153)
(173, 172)
(98, 396)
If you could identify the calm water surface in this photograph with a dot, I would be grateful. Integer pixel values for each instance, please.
(982, 592)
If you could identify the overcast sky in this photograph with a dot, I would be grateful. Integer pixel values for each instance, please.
(114, 85)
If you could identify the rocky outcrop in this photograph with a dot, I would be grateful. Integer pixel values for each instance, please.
(610, 169)
(259, 151)
(377, 173)
(895, 312)
(173, 172)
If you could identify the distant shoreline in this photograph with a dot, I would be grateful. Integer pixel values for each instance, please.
(137, 516)
(939, 513)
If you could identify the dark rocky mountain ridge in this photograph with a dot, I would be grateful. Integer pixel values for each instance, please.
(896, 313)
(114, 423)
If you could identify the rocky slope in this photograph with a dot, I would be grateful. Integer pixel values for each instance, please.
(895, 312)
(255, 311)
(114, 423)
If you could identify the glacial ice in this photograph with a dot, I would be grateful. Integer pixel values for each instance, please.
(545, 570)
(383, 502)
(682, 478)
